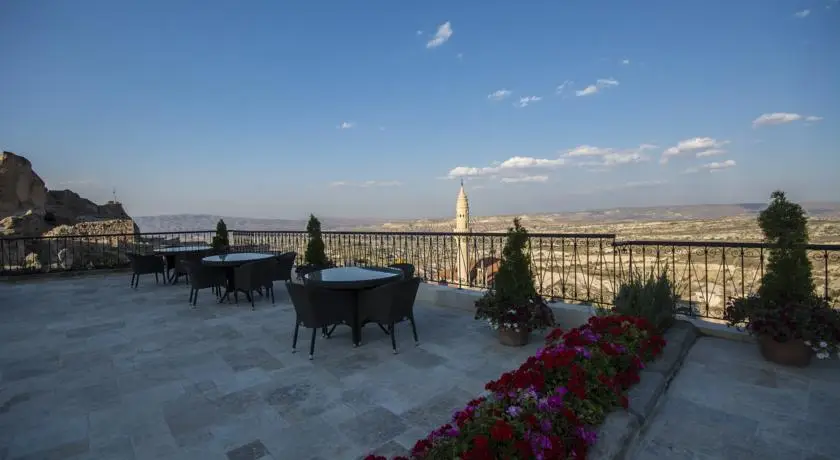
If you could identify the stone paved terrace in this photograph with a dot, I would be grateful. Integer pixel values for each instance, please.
(727, 403)
(92, 369)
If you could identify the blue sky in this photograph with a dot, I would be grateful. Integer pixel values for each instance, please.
(374, 108)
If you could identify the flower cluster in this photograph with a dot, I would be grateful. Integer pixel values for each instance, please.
(550, 407)
(533, 314)
(815, 321)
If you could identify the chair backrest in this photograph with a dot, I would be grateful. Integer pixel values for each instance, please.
(406, 295)
(283, 268)
(202, 276)
(246, 276)
(407, 269)
(143, 264)
(331, 306)
(377, 304)
(300, 300)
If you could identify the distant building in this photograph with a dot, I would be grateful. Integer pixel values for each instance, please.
(462, 243)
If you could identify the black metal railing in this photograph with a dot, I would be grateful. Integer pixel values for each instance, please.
(585, 268)
(707, 273)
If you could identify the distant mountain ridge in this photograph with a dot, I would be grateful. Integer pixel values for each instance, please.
(195, 222)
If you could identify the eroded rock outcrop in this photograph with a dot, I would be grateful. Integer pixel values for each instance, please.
(59, 217)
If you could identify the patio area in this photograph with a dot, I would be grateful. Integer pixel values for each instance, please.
(727, 403)
(92, 369)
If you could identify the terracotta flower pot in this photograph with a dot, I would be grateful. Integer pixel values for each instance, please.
(790, 353)
(512, 338)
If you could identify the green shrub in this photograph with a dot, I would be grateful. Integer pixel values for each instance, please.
(512, 302)
(220, 240)
(652, 299)
(315, 255)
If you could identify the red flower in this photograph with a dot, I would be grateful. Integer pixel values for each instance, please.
(501, 431)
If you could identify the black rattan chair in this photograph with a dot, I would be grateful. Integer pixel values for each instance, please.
(319, 308)
(145, 265)
(204, 277)
(183, 263)
(390, 304)
(407, 269)
(246, 279)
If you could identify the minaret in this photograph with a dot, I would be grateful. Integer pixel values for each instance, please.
(462, 225)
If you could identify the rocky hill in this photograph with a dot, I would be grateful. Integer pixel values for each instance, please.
(193, 222)
(28, 209)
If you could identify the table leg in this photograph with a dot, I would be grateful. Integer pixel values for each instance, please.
(230, 286)
(356, 326)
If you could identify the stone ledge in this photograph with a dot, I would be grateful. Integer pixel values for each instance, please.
(621, 428)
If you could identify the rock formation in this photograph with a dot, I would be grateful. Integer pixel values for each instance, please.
(39, 228)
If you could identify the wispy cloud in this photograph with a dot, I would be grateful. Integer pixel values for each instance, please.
(366, 184)
(419, 32)
(813, 118)
(712, 167)
(802, 14)
(346, 125)
(625, 61)
(693, 145)
(710, 152)
(716, 166)
(563, 88)
(498, 95)
(514, 167)
(444, 32)
(513, 180)
(602, 83)
(776, 118)
(525, 101)
(460, 56)
(603, 157)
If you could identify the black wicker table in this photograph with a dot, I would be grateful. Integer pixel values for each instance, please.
(353, 279)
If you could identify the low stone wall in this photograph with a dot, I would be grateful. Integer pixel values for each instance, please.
(621, 428)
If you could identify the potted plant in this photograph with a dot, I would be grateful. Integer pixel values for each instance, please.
(315, 257)
(789, 320)
(220, 243)
(512, 305)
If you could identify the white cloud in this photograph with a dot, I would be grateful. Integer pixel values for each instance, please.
(716, 166)
(602, 83)
(346, 125)
(802, 14)
(444, 31)
(587, 150)
(563, 87)
(776, 118)
(499, 95)
(605, 157)
(710, 152)
(511, 180)
(692, 145)
(813, 118)
(524, 101)
(512, 167)
(366, 184)
(419, 32)
(625, 61)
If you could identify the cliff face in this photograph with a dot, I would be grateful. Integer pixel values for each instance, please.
(28, 209)
(21, 189)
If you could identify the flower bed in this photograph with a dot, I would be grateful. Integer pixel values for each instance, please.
(551, 406)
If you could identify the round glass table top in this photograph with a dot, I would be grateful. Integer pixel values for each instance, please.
(191, 248)
(353, 277)
(236, 258)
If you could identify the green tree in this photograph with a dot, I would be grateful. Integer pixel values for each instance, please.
(787, 277)
(315, 254)
(220, 240)
(514, 282)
